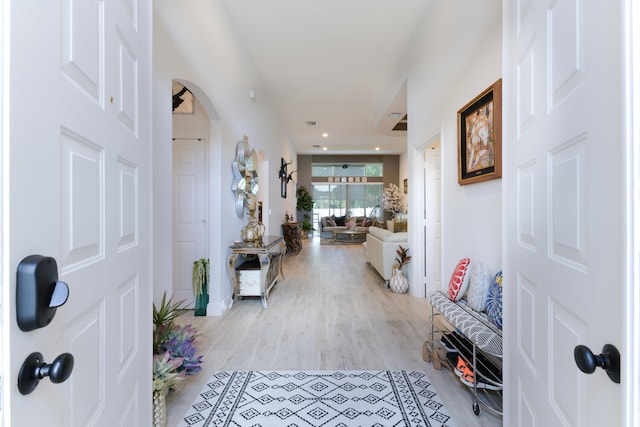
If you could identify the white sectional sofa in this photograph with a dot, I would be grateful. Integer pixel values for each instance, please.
(381, 247)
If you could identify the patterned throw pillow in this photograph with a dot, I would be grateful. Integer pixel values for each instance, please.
(479, 282)
(494, 300)
(459, 280)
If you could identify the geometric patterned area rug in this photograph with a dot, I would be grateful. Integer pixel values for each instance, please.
(318, 398)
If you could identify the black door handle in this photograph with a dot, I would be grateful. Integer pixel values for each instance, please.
(34, 369)
(609, 360)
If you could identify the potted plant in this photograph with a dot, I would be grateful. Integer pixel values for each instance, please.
(304, 204)
(200, 283)
(174, 354)
(398, 282)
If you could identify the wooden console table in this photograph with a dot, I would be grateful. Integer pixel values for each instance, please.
(263, 265)
(291, 231)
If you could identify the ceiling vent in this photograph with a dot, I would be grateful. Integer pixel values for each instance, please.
(312, 123)
(401, 125)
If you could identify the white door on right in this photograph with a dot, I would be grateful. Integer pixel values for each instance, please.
(432, 218)
(564, 207)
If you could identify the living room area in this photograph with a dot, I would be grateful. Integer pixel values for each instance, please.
(348, 191)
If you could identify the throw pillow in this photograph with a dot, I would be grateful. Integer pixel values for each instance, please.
(479, 282)
(494, 300)
(459, 280)
(331, 222)
(340, 221)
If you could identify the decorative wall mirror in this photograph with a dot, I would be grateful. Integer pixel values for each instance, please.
(245, 178)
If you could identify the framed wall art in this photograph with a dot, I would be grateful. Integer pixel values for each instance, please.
(480, 137)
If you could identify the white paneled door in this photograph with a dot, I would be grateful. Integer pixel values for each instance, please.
(189, 215)
(432, 218)
(77, 188)
(565, 209)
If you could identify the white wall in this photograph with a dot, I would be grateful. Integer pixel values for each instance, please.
(447, 69)
(221, 76)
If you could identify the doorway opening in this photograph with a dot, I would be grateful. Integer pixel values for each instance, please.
(431, 220)
(191, 127)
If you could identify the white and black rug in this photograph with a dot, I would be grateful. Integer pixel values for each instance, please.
(318, 398)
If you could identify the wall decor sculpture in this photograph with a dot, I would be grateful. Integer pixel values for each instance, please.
(284, 177)
(245, 178)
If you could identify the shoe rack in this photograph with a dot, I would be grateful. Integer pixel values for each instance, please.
(478, 370)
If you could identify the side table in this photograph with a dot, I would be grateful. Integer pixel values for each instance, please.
(291, 232)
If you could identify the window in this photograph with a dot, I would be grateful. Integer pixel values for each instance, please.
(347, 169)
(347, 200)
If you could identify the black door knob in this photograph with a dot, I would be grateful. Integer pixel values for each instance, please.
(34, 369)
(609, 360)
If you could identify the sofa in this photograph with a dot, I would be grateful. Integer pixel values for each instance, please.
(380, 249)
(329, 224)
(332, 223)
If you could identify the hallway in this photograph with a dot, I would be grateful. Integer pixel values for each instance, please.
(331, 312)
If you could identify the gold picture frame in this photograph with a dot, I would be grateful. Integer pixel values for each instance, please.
(480, 137)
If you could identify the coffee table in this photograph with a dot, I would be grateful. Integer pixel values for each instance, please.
(350, 236)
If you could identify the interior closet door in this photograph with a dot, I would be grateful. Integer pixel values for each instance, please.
(189, 213)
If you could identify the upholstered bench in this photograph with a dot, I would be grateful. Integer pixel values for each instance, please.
(476, 326)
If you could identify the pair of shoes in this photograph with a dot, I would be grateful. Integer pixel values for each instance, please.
(467, 377)
(480, 385)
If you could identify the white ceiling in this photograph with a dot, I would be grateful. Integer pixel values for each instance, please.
(337, 62)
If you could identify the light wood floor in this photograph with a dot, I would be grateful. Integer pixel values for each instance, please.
(331, 312)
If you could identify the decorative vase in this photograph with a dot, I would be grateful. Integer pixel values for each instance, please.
(398, 281)
(160, 408)
(201, 302)
(390, 225)
(252, 232)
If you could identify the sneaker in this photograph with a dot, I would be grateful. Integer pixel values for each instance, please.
(446, 343)
(462, 369)
(452, 358)
(468, 381)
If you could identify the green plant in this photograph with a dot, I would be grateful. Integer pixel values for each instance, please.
(163, 318)
(200, 276)
(174, 346)
(304, 203)
(165, 371)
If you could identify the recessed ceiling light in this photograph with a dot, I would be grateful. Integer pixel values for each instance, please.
(377, 148)
(325, 135)
(324, 148)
